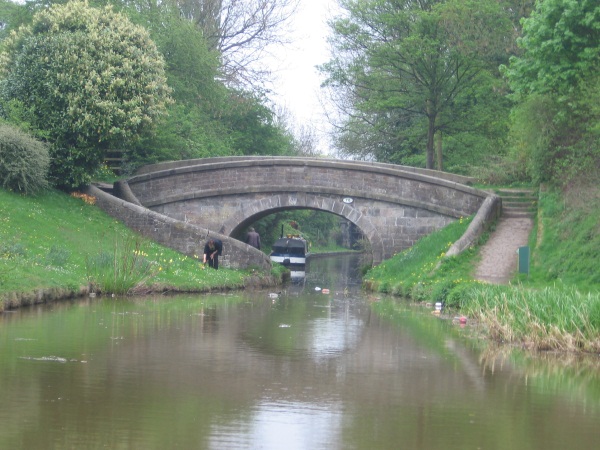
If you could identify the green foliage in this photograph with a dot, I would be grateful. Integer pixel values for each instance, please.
(253, 128)
(555, 128)
(90, 78)
(193, 127)
(532, 131)
(207, 119)
(410, 70)
(319, 228)
(561, 47)
(24, 161)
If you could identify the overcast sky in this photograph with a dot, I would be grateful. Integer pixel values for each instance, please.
(297, 80)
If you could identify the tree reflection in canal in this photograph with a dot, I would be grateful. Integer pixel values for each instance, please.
(304, 370)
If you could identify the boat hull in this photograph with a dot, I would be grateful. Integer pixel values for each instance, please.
(292, 253)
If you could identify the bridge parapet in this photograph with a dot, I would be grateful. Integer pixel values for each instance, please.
(391, 205)
(186, 238)
(169, 165)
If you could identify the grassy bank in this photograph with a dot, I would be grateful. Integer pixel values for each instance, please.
(56, 245)
(556, 307)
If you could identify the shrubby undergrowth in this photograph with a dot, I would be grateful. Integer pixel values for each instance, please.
(24, 161)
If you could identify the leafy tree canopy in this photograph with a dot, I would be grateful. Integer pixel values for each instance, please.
(89, 78)
(555, 81)
(561, 47)
(406, 65)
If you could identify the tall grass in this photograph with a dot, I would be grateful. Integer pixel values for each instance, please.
(545, 319)
(121, 271)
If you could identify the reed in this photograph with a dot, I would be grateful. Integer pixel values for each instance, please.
(122, 271)
(553, 318)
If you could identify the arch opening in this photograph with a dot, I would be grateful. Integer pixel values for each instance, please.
(322, 229)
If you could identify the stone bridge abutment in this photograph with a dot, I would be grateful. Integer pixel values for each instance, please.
(393, 206)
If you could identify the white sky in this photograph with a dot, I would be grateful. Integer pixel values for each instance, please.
(296, 84)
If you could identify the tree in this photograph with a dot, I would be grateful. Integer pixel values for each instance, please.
(89, 78)
(241, 31)
(406, 67)
(193, 127)
(561, 47)
(208, 117)
(555, 82)
(254, 127)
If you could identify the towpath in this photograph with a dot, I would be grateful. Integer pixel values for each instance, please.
(499, 258)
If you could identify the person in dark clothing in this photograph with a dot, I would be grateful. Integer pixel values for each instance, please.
(253, 238)
(212, 249)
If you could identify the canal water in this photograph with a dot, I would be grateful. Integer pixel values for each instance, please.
(319, 365)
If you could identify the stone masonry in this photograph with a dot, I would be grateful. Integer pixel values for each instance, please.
(183, 237)
(393, 206)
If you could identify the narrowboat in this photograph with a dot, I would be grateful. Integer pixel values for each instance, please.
(291, 251)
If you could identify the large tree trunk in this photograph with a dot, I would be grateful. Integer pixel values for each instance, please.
(438, 151)
(430, 142)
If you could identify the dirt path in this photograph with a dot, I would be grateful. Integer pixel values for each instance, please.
(499, 257)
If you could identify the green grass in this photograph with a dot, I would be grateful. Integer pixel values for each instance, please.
(422, 272)
(53, 241)
(556, 307)
(569, 242)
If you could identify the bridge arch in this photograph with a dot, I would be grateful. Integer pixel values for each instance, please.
(392, 205)
(265, 205)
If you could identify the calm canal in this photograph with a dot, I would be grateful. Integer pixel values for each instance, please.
(305, 370)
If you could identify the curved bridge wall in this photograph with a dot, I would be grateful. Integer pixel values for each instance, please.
(392, 206)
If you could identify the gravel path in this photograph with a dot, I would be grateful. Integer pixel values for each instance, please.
(499, 257)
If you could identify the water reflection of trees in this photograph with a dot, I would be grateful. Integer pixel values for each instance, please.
(576, 376)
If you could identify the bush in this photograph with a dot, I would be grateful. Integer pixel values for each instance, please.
(88, 78)
(24, 161)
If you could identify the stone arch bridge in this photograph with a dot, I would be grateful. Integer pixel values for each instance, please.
(393, 206)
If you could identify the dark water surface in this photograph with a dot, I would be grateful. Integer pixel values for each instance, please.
(305, 370)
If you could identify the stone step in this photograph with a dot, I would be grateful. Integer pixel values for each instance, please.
(516, 192)
(518, 202)
(517, 213)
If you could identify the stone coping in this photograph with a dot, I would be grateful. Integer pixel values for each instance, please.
(174, 167)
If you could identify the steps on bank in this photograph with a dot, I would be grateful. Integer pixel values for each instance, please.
(498, 262)
(518, 202)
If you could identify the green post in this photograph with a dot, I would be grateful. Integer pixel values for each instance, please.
(523, 259)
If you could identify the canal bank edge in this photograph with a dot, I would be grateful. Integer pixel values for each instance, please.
(14, 300)
(486, 215)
